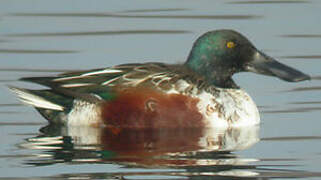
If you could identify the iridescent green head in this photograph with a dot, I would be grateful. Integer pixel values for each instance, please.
(217, 55)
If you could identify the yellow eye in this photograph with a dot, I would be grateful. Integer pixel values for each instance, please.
(230, 44)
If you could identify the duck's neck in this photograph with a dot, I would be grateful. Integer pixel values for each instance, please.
(214, 74)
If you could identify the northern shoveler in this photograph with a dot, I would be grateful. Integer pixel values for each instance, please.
(197, 93)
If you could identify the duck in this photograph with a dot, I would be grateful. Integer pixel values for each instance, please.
(197, 93)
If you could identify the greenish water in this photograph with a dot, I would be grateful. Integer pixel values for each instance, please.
(47, 37)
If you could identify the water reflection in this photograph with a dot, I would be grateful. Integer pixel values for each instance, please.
(157, 147)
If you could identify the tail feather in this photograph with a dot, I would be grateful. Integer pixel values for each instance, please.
(31, 98)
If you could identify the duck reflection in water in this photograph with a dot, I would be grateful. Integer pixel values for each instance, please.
(152, 147)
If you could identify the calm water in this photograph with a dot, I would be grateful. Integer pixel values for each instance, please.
(47, 37)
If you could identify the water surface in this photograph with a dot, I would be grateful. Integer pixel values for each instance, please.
(41, 38)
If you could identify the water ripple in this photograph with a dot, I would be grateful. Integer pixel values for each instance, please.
(307, 102)
(316, 78)
(279, 159)
(99, 33)
(6, 80)
(293, 110)
(35, 70)
(303, 57)
(20, 123)
(154, 10)
(28, 51)
(11, 105)
(291, 138)
(302, 35)
(313, 88)
(11, 112)
(109, 15)
(269, 2)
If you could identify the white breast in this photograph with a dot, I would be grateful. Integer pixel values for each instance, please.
(230, 108)
(224, 107)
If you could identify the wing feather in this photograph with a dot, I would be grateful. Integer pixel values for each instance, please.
(88, 85)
